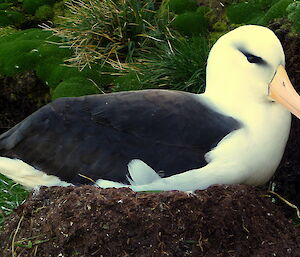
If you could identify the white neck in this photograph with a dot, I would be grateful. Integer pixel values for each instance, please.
(261, 140)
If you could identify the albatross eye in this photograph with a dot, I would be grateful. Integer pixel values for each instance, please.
(254, 59)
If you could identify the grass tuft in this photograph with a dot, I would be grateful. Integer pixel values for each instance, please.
(177, 64)
(11, 196)
(108, 31)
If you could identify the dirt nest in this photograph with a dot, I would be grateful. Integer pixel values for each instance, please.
(87, 221)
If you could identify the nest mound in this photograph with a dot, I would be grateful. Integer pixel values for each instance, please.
(235, 220)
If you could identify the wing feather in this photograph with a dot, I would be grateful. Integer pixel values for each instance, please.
(97, 136)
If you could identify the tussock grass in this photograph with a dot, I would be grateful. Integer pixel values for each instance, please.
(108, 31)
(177, 64)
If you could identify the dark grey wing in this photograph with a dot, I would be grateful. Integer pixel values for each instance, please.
(98, 135)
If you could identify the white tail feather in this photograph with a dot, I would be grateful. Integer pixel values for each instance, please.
(27, 175)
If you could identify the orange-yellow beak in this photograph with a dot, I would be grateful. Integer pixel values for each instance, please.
(283, 92)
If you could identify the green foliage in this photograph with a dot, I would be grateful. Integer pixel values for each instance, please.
(27, 12)
(128, 82)
(257, 11)
(203, 10)
(109, 31)
(10, 17)
(29, 34)
(190, 24)
(75, 86)
(244, 12)
(31, 6)
(11, 196)
(69, 81)
(4, 6)
(178, 64)
(32, 51)
(277, 10)
(182, 6)
(20, 51)
(294, 15)
(44, 12)
(54, 72)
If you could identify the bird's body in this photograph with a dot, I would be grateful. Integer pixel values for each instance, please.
(160, 139)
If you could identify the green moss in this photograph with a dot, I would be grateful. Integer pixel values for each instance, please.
(203, 10)
(182, 6)
(75, 86)
(128, 82)
(245, 12)
(31, 6)
(4, 6)
(265, 4)
(9, 1)
(220, 26)
(53, 51)
(24, 50)
(214, 36)
(190, 24)
(294, 15)
(24, 13)
(99, 74)
(25, 56)
(32, 51)
(53, 72)
(278, 10)
(260, 12)
(10, 17)
(29, 34)
(44, 12)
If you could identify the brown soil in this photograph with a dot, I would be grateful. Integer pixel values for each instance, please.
(287, 177)
(19, 97)
(87, 221)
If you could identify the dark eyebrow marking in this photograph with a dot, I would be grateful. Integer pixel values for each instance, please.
(253, 58)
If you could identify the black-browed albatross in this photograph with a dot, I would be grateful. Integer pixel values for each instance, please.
(235, 132)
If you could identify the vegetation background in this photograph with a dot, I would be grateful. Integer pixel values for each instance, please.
(56, 48)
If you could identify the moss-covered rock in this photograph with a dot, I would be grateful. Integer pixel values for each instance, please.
(191, 24)
(8, 17)
(44, 12)
(28, 13)
(203, 10)
(127, 82)
(75, 86)
(294, 15)
(54, 72)
(259, 12)
(181, 6)
(245, 12)
(31, 6)
(21, 51)
(278, 10)
(30, 50)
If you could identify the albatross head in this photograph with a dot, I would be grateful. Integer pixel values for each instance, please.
(246, 68)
